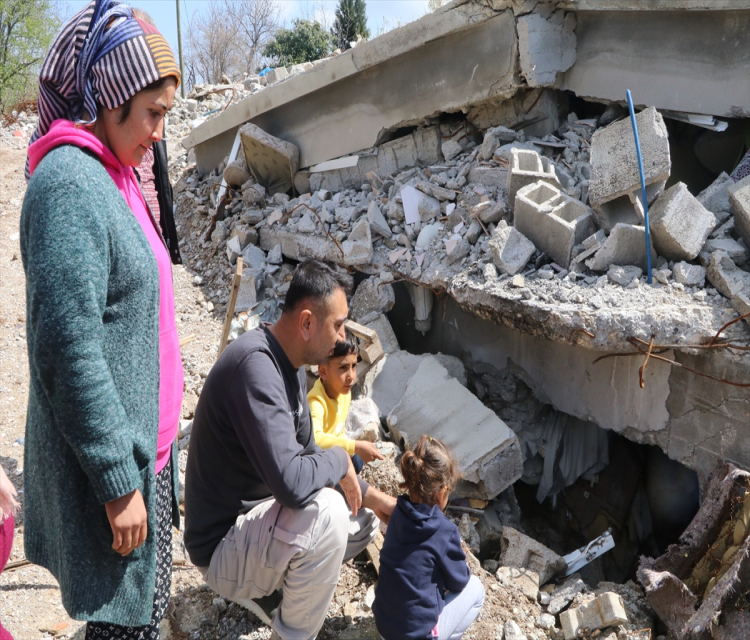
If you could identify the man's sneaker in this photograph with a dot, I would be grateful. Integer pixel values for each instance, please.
(264, 608)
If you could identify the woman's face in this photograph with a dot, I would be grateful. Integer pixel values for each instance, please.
(144, 125)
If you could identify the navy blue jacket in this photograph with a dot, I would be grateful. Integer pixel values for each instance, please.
(421, 559)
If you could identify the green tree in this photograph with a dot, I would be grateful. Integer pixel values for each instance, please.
(26, 31)
(351, 22)
(305, 42)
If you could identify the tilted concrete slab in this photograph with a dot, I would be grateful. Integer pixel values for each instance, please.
(346, 103)
(436, 404)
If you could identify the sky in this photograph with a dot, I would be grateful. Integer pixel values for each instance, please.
(381, 14)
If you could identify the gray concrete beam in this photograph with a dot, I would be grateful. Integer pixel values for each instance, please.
(695, 61)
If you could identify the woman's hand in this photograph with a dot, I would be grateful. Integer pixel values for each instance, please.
(8, 504)
(128, 519)
(367, 451)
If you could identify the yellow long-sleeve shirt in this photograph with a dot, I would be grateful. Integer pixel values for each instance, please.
(329, 417)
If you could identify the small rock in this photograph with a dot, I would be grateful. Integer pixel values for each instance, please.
(513, 631)
(546, 621)
(691, 275)
(518, 281)
(623, 275)
(274, 255)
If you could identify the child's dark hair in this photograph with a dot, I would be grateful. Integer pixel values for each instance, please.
(347, 347)
(427, 468)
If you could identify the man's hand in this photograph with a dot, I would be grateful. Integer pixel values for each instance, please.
(128, 519)
(367, 451)
(380, 503)
(350, 485)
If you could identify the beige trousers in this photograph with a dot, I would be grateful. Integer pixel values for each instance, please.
(300, 549)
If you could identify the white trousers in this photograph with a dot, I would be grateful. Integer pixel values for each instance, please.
(300, 550)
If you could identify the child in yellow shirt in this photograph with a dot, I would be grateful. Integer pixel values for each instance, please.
(330, 399)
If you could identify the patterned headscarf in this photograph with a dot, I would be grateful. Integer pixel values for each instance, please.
(103, 55)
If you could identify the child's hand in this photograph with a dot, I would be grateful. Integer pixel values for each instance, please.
(367, 451)
(8, 504)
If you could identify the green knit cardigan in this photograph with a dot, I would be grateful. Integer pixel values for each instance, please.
(92, 301)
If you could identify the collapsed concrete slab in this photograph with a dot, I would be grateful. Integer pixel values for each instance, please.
(615, 184)
(523, 552)
(526, 167)
(436, 404)
(298, 246)
(711, 557)
(553, 221)
(546, 47)
(680, 224)
(625, 246)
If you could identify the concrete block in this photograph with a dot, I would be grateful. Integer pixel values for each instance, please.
(546, 47)
(489, 176)
(724, 275)
(276, 75)
(614, 187)
(254, 258)
(525, 580)
(690, 275)
(247, 296)
(526, 167)
(626, 245)
(358, 246)
(553, 221)
(606, 610)
(511, 250)
(739, 199)
(623, 275)
(438, 405)
(451, 149)
(523, 552)
(563, 595)
(715, 198)
(382, 326)
(680, 224)
(272, 161)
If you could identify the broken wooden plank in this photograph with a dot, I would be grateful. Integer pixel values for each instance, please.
(371, 350)
(236, 279)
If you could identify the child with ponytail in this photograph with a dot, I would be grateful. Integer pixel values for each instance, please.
(425, 589)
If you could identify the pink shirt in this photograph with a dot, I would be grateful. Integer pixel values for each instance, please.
(170, 361)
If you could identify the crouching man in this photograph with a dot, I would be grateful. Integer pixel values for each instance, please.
(261, 512)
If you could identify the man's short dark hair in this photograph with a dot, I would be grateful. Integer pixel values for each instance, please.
(346, 348)
(316, 281)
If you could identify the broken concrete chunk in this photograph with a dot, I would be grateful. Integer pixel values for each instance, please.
(511, 250)
(680, 224)
(272, 162)
(606, 610)
(723, 274)
(563, 595)
(435, 191)
(254, 258)
(523, 552)
(525, 580)
(526, 167)
(492, 139)
(247, 296)
(690, 275)
(418, 207)
(546, 47)
(233, 249)
(236, 173)
(428, 209)
(623, 275)
(372, 295)
(715, 198)
(739, 198)
(386, 381)
(276, 75)
(736, 251)
(615, 184)
(363, 421)
(358, 246)
(490, 459)
(275, 256)
(450, 149)
(625, 246)
(553, 221)
(307, 223)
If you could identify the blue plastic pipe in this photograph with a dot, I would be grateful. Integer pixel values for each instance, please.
(643, 186)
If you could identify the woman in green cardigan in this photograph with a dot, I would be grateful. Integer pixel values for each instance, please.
(106, 372)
